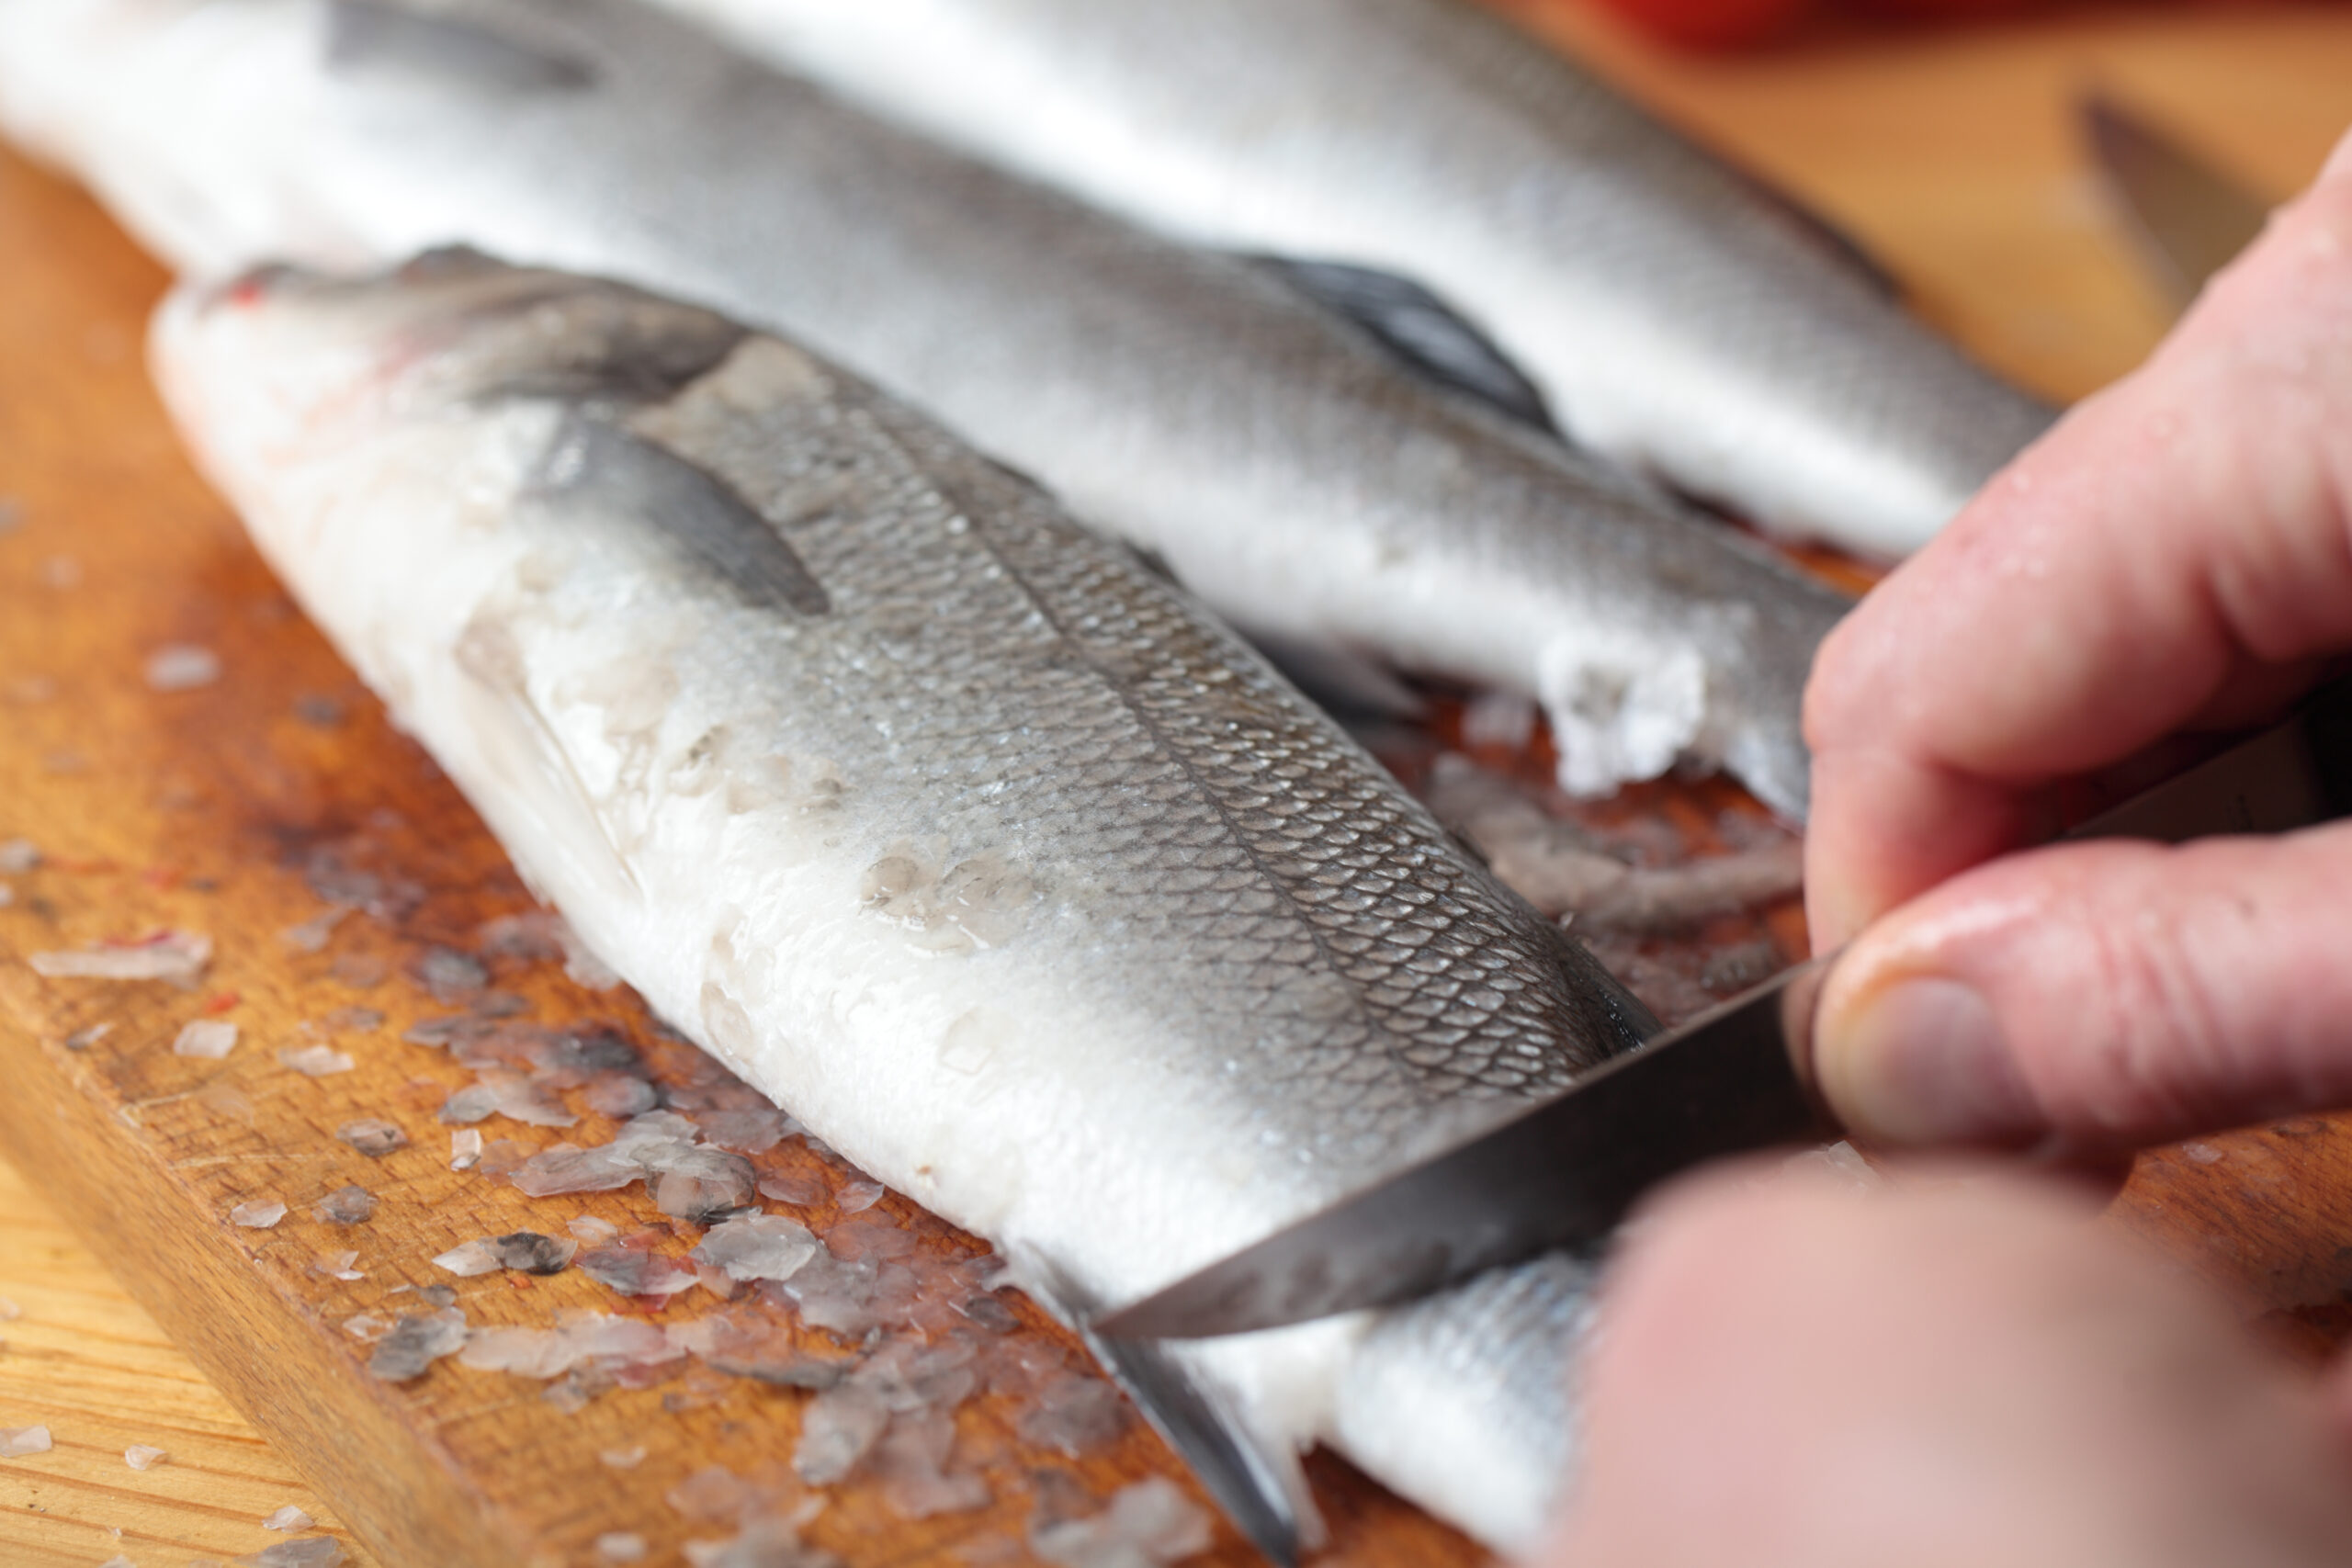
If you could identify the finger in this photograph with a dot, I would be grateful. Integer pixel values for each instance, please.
(2100, 995)
(2159, 553)
(1792, 1375)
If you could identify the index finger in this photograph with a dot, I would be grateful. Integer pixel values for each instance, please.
(2177, 541)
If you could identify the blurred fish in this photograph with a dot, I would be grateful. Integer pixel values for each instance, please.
(1670, 312)
(1283, 468)
(976, 844)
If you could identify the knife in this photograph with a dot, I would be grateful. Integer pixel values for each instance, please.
(1564, 1172)
(2189, 217)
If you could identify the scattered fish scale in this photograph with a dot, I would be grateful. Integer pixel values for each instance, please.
(210, 1039)
(348, 1205)
(757, 1246)
(714, 1495)
(703, 1185)
(313, 1551)
(312, 935)
(837, 1430)
(16, 1442)
(1074, 1414)
(340, 1265)
(333, 879)
(751, 1131)
(565, 1168)
(181, 667)
(451, 975)
(762, 1544)
(473, 1103)
(417, 1341)
(912, 1461)
(316, 1061)
(1149, 1522)
(636, 1273)
(180, 958)
(540, 935)
(319, 710)
(791, 1187)
(372, 1138)
(526, 1252)
(581, 1336)
(257, 1213)
(619, 1095)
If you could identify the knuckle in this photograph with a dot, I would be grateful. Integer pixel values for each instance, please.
(2151, 1025)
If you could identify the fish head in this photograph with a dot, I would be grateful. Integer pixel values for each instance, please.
(452, 329)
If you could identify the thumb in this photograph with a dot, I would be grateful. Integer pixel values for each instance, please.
(2090, 997)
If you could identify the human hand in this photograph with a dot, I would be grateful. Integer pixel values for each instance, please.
(1792, 1374)
(2175, 554)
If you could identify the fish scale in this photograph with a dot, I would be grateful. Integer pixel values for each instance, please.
(1015, 876)
(1279, 463)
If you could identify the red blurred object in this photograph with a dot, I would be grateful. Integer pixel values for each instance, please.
(1942, 10)
(1716, 25)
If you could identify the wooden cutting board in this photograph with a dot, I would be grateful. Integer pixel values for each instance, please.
(229, 808)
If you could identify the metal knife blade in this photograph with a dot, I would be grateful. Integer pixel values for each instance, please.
(2187, 218)
(1565, 1171)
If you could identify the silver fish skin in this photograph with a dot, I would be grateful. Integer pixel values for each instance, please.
(1281, 466)
(943, 820)
(1674, 316)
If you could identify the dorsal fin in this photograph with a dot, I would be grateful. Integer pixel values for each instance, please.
(1419, 328)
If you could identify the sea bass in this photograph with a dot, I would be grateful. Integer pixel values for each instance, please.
(1277, 462)
(1672, 313)
(946, 823)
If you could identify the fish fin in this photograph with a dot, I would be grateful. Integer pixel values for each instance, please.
(595, 464)
(1259, 1483)
(529, 766)
(1422, 329)
(380, 34)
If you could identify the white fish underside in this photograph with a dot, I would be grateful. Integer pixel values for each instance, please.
(1674, 316)
(941, 820)
(1283, 466)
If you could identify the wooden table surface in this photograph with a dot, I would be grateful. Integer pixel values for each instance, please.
(1950, 155)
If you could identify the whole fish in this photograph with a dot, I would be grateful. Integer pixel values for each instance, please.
(1672, 313)
(1275, 459)
(943, 821)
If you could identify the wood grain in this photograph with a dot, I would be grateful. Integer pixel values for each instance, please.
(86, 1361)
(205, 810)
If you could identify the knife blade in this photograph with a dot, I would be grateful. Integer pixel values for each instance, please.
(2187, 219)
(1565, 1171)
